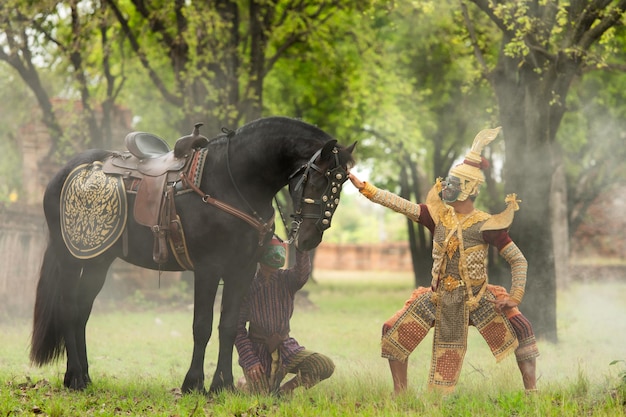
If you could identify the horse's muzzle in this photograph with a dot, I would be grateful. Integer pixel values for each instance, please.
(308, 243)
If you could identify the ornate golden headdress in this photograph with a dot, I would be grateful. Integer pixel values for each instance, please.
(470, 171)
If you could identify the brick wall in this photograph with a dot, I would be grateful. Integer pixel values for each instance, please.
(22, 243)
(391, 256)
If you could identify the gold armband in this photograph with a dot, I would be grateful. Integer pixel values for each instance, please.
(519, 267)
(369, 190)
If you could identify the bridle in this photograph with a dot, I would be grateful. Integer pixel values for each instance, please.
(327, 202)
(323, 207)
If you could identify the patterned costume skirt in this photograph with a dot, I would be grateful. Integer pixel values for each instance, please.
(408, 327)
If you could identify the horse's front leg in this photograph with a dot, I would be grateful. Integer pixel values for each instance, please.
(235, 289)
(205, 289)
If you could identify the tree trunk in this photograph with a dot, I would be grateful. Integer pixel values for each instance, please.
(560, 226)
(420, 250)
(405, 192)
(524, 113)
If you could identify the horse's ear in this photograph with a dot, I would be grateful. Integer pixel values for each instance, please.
(328, 149)
(350, 148)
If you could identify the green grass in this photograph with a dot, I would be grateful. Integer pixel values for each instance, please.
(138, 361)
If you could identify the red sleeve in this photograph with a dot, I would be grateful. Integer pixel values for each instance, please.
(497, 238)
(426, 219)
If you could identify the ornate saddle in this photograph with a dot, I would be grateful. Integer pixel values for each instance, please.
(152, 171)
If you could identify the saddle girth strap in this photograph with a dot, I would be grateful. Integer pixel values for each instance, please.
(262, 227)
(177, 236)
(159, 249)
(169, 230)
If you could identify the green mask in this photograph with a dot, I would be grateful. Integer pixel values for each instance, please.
(274, 256)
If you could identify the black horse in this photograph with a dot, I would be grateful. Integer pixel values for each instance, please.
(226, 219)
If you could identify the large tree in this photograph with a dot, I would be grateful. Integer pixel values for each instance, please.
(545, 46)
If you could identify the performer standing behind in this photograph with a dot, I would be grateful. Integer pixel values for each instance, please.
(459, 294)
(266, 352)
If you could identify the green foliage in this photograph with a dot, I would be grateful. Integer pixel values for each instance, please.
(400, 77)
(344, 77)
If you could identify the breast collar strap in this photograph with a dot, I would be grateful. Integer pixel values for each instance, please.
(263, 227)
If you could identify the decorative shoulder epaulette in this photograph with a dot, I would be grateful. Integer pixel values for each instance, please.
(503, 220)
(434, 202)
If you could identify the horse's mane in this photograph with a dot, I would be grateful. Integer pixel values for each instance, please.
(288, 122)
(255, 124)
(316, 135)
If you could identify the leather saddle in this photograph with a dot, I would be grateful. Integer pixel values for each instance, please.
(152, 170)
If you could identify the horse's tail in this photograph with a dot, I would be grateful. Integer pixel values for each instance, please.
(47, 342)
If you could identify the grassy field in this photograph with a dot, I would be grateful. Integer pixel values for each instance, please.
(138, 360)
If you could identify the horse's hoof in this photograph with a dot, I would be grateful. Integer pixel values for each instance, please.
(216, 389)
(189, 388)
(74, 383)
(200, 391)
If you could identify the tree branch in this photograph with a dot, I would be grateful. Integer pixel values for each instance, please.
(486, 7)
(29, 74)
(472, 34)
(296, 37)
(156, 80)
(610, 19)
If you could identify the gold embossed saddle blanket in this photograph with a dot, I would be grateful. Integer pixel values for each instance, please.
(93, 210)
(94, 206)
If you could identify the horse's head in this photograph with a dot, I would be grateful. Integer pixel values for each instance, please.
(315, 188)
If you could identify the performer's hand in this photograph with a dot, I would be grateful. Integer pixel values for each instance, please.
(355, 181)
(503, 304)
(255, 373)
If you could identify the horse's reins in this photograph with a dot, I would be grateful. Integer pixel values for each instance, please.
(256, 221)
(293, 231)
(296, 223)
(263, 227)
(229, 134)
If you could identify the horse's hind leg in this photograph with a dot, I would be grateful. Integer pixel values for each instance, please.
(70, 273)
(80, 287)
(92, 280)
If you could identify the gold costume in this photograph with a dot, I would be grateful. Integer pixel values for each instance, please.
(459, 295)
